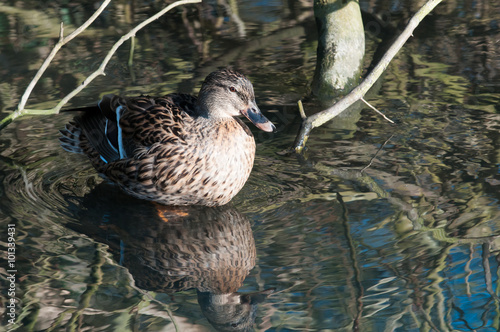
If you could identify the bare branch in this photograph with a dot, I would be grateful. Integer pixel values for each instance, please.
(357, 93)
(50, 57)
(104, 63)
(100, 71)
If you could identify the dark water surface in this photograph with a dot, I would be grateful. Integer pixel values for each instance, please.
(379, 227)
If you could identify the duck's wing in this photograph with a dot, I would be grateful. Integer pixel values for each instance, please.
(121, 128)
(88, 134)
(164, 119)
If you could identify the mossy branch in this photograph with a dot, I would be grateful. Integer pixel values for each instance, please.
(100, 71)
(359, 92)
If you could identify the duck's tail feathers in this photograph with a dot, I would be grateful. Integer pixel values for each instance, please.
(70, 138)
(73, 135)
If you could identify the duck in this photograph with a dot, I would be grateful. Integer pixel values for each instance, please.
(176, 149)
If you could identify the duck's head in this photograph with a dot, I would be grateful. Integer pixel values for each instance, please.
(227, 93)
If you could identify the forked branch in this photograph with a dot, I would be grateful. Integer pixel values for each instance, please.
(21, 110)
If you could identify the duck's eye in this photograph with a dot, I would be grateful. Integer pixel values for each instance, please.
(232, 89)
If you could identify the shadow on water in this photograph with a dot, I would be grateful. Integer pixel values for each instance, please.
(174, 249)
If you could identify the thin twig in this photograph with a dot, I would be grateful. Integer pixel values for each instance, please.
(301, 110)
(373, 158)
(131, 52)
(376, 110)
(130, 62)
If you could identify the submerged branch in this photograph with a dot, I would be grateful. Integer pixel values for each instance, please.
(100, 71)
(357, 93)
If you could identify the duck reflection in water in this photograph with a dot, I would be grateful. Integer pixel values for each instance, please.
(171, 249)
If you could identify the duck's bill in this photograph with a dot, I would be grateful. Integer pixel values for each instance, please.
(258, 119)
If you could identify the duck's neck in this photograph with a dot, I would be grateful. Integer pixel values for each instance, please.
(209, 122)
(209, 106)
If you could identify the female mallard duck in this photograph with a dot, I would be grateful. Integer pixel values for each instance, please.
(176, 149)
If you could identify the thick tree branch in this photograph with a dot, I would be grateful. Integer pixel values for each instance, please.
(357, 93)
(100, 71)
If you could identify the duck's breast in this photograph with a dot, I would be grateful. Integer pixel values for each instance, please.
(212, 166)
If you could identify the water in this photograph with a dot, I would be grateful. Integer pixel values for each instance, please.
(379, 227)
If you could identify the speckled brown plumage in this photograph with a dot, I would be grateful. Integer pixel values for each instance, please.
(176, 149)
